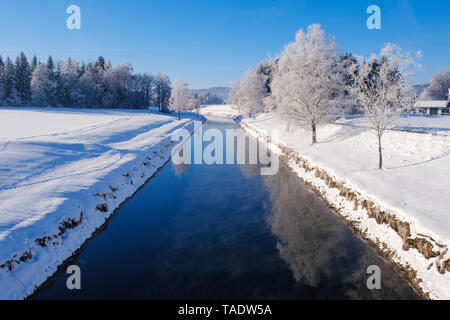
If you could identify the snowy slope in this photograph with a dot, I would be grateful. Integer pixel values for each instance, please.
(62, 174)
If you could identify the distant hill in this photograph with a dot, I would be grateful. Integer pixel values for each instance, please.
(216, 95)
(420, 89)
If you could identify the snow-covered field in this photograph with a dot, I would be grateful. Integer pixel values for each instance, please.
(414, 181)
(63, 172)
(414, 186)
(415, 123)
(219, 110)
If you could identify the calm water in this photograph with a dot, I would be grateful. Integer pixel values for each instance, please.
(225, 232)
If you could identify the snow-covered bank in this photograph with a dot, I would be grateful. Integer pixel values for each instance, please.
(63, 172)
(403, 210)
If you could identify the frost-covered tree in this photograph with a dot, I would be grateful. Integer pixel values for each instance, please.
(267, 69)
(438, 88)
(86, 84)
(382, 89)
(208, 98)
(148, 83)
(196, 104)
(305, 86)
(41, 86)
(119, 83)
(142, 88)
(193, 102)
(100, 86)
(70, 90)
(162, 91)
(234, 94)
(88, 88)
(252, 91)
(180, 97)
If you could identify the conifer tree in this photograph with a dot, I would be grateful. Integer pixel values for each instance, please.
(23, 78)
(9, 95)
(2, 86)
(50, 64)
(34, 63)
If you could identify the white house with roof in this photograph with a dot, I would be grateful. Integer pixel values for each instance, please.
(436, 107)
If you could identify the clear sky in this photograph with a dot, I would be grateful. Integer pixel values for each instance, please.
(212, 42)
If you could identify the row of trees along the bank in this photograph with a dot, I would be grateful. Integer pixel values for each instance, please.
(80, 85)
(311, 81)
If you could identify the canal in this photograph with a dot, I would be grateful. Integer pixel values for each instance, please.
(226, 232)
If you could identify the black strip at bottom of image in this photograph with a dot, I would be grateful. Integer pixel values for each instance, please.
(198, 310)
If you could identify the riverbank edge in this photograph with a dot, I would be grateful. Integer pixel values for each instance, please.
(415, 257)
(97, 229)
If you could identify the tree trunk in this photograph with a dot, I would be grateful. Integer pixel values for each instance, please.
(179, 115)
(314, 132)
(380, 154)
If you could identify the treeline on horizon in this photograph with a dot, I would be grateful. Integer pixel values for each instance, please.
(89, 84)
(82, 85)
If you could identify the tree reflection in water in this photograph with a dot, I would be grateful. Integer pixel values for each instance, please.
(310, 241)
(320, 249)
(180, 169)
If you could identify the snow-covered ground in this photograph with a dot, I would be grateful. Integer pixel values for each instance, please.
(414, 186)
(416, 167)
(63, 172)
(220, 110)
(415, 123)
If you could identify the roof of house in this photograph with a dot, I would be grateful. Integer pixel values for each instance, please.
(431, 104)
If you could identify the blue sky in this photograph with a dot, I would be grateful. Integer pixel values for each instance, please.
(212, 42)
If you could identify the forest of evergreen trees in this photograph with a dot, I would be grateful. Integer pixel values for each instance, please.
(79, 85)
